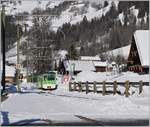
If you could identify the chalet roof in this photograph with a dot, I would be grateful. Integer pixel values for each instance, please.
(90, 58)
(79, 65)
(123, 51)
(142, 43)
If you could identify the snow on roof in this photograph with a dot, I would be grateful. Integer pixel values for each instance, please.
(13, 59)
(142, 43)
(90, 58)
(12, 52)
(123, 51)
(10, 71)
(80, 65)
(100, 63)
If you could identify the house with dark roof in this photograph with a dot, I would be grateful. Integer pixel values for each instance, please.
(77, 66)
(138, 59)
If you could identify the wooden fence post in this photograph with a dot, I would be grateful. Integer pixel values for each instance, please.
(140, 87)
(127, 87)
(115, 87)
(94, 87)
(80, 87)
(87, 87)
(104, 88)
(70, 86)
(74, 86)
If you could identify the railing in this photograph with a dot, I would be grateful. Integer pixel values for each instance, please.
(103, 87)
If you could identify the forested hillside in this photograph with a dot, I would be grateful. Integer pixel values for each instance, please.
(80, 27)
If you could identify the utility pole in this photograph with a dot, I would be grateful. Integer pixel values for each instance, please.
(27, 58)
(3, 46)
(18, 58)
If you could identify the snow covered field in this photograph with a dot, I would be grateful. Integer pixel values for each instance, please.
(30, 5)
(33, 105)
(110, 77)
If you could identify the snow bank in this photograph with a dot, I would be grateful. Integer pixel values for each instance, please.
(145, 92)
(132, 77)
(90, 76)
(107, 76)
(27, 87)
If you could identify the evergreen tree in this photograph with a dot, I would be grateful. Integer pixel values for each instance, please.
(55, 66)
(72, 53)
(82, 51)
(10, 32)
(84, 22)
(113, 13)
(105, 3)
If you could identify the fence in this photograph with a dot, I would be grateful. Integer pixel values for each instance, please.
(103, 87)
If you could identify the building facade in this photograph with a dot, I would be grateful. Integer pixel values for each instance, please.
(138, 59)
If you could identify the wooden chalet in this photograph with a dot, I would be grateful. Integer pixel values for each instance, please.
(138, 59)
(100, 66)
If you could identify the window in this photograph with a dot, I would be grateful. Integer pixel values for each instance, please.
(51, 77)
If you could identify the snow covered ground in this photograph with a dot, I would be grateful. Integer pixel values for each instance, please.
(110, 77)
(34, 105)
(30, 5)
(75, 17)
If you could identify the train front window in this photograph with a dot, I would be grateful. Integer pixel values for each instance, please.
(51, 77)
